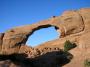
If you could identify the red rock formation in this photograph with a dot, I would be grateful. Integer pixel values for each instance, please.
(73, 26)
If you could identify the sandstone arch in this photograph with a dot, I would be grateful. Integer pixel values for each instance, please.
(43, 26)
(70, 22)
(42, 34)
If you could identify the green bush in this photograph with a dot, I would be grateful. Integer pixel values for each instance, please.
(68, 45)
(87, 63)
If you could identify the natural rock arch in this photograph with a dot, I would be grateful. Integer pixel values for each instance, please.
(13, 39)
(43, 28)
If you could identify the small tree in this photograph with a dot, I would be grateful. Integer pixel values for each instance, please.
(68, 45)
(87, 63)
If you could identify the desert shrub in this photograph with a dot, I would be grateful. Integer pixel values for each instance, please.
(87, 63)
(68, 45)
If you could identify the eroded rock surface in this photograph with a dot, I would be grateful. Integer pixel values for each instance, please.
(72, 25)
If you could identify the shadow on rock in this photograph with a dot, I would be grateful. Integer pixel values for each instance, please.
(50, 59)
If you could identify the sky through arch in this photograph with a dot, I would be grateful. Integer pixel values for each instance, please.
(48, 34)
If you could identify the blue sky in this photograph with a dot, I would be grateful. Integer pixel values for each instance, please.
(42, 35)
(22, 12)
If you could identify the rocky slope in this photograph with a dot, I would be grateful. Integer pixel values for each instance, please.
(73, 25)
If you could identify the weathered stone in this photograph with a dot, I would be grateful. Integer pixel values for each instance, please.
(72, 25)
(1, 40)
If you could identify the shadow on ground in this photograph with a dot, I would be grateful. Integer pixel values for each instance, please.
(50, 59)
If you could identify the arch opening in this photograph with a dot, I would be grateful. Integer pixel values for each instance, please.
(42, 35)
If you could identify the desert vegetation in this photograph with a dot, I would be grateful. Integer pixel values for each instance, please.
(87, 63)
(68, 45)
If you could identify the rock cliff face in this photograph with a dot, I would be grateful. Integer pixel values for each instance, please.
(72, 25)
